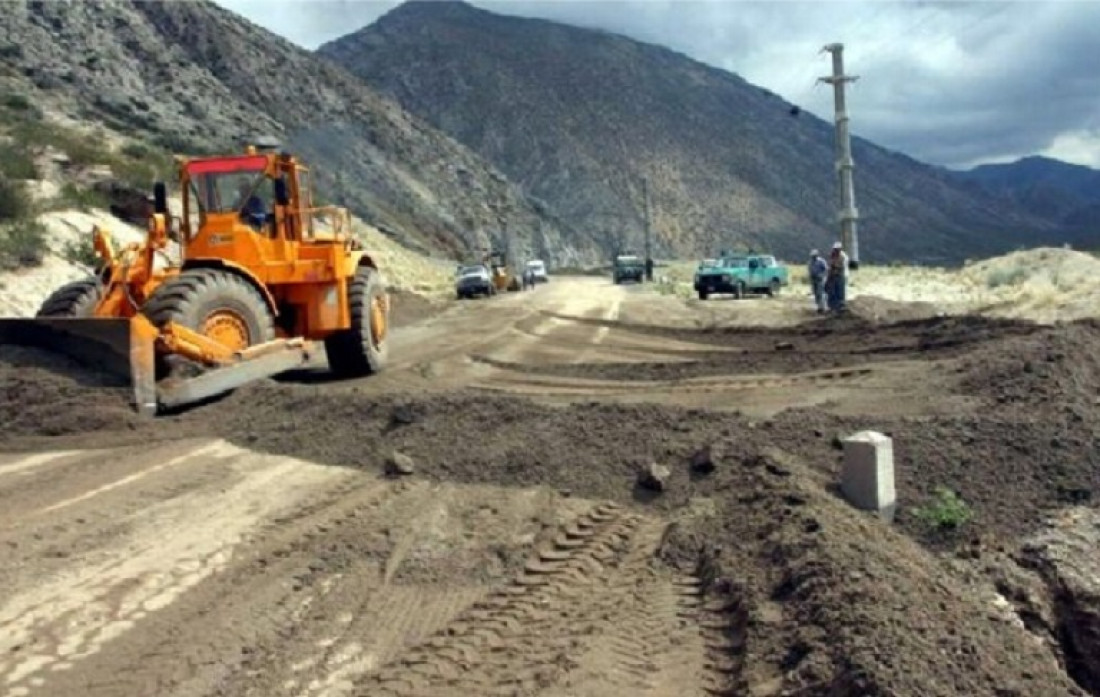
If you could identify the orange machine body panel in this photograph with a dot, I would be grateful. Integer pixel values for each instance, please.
(253, 214)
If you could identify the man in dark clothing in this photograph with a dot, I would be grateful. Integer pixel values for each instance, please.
(252, 210)
(817, 269)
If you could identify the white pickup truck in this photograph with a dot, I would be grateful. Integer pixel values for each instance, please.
(473, 280)
(537, 268)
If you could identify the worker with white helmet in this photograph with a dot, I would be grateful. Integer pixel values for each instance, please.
(837, 281)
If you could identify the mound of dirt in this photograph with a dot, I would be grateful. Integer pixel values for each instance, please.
(881, 310)
(833, 343)
(1055, 367)
(836, 602)
(47, 394)
(409, 308)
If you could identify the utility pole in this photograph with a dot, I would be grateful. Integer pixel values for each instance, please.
(844, 165)
(648, 254)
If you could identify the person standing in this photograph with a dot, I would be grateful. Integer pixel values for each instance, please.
(837, 280)
(818, 268)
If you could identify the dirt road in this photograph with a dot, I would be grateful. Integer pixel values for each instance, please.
(255, 546)
(584, 338)
(202, 568)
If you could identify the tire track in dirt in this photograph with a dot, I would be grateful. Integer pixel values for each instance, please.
(375, 632)
(592, 613)
(516, 382)
(107, 590)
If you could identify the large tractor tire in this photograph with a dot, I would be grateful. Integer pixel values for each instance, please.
(215, 303)
(76, 299)
(361, 350)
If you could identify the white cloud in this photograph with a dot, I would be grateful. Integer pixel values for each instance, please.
(951, 83)
(1081, 147)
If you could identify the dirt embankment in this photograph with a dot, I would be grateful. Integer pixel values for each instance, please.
(817, 598)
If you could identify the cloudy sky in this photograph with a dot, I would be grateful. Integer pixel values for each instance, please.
(949, 83)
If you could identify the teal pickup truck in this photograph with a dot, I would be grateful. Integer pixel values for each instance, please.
(739, 274)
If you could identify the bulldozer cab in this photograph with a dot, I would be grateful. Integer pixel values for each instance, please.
(265, 194)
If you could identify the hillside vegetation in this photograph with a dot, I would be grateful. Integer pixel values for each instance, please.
(191, 77)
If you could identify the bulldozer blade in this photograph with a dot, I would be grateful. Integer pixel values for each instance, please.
(123, 348)
(179, 392)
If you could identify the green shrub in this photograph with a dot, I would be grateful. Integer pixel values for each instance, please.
(81, 149)
(17, 102)
(16, 162)
(136, 151)
(947, 511)
(81, 252)
(15, 204)
(73, 196)
(1006, 277)
(22, 244)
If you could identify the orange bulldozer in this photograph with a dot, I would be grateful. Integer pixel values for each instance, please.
(263, 281)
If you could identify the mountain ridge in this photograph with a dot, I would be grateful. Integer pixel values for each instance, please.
(196, 77)
(580, 117)
(1062, 190)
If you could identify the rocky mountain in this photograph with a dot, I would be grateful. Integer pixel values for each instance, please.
(194, 77)
(581, 117)
(1060, 190)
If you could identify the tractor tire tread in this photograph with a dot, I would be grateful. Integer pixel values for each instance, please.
(75, 299)
(174, 299)
(351, 352)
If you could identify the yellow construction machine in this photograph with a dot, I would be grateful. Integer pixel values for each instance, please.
(503, 278)
(261, 283)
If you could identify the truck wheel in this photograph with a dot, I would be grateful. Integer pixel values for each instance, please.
(773, 288)
(76, 299)
(739, 290)
(702, 295)
(361, 350)
(217, 304)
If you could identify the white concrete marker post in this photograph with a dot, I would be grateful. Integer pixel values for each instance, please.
(867, 477)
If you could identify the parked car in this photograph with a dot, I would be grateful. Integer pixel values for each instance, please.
(474, 280)
(628, 267)
(537, 267)
(741, 274)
